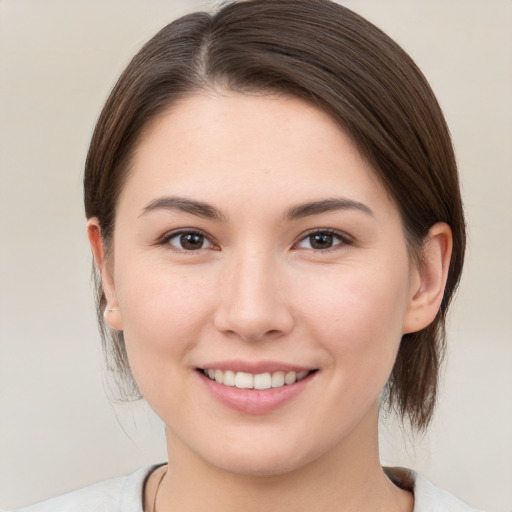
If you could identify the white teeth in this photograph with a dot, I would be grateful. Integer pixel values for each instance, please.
(290, 378)
(229, 378)
(262, 381)
(244, 380)
(277, 379)
(301, 375)
(219, 376)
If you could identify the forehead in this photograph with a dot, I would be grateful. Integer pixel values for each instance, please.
(225, 144)
(227, 117)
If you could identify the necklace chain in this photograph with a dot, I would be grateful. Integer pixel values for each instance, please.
(158, 488)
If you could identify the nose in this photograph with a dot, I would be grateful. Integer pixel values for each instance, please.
(253, 303)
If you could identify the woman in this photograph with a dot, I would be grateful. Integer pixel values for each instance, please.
(274, 212)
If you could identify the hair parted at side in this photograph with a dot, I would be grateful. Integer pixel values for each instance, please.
(328, 56)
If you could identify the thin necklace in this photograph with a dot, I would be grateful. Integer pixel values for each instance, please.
(157, 489)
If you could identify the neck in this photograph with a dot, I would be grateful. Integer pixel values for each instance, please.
(347, 478)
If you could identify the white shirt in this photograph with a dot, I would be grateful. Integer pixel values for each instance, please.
(125, 494)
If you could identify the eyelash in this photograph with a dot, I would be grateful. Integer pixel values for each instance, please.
(343, 240)
(166, 239)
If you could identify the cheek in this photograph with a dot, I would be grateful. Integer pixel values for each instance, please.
(164, 313)
(357, 316)
(162, 299)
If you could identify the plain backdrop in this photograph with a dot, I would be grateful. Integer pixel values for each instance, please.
(58, 61)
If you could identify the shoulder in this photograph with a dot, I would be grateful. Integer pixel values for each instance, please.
(114, 495)
(427, 497)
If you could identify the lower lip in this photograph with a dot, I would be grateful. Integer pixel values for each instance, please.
(255, 401)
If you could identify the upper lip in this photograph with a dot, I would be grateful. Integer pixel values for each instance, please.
(255, 367)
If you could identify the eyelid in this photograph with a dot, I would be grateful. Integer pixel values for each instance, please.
(164, 240)
(344, 238)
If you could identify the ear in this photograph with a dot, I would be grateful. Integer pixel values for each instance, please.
(111, 313)
(428, 279)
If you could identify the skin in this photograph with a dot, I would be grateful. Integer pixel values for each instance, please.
(258, 290)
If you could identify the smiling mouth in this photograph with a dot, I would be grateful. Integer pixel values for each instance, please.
(259, 381)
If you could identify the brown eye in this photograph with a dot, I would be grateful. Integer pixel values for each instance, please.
(322, 240)
(189, 241)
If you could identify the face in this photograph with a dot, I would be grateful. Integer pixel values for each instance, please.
(255, 248)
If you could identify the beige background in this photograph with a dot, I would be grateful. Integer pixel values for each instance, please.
(58, 60)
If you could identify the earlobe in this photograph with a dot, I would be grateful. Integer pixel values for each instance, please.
(429, 280)
(111, 314)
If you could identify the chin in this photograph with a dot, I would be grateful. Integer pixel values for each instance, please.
(260, 467)
(260, 459)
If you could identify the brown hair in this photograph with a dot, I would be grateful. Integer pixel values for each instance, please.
(327, 55)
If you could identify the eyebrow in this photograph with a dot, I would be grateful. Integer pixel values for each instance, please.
(181, 204)
(325, 206)
(208, 211)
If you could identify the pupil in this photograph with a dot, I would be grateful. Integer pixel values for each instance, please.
(191, 241)
(321, 241)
